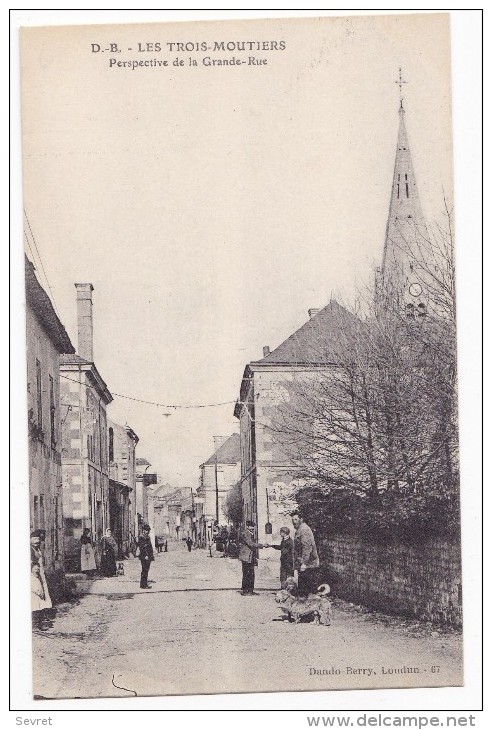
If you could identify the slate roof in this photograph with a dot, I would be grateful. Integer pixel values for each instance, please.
(322, 340)
(40, 303)
(228, 453)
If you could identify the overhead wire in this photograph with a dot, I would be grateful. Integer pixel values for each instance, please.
(40, 261)
(154, 403)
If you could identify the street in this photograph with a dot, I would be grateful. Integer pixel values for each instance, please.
(193, 633)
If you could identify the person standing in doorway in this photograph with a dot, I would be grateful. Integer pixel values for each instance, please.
(286, 548)
(87, 557)
(109, 554)
(306, 560)
(248, 555)
(146, 555)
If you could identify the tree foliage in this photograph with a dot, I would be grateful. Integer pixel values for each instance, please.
(233, 505)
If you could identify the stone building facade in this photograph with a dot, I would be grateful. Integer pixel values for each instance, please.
(85, 462)
(269, 388)
(46, 340)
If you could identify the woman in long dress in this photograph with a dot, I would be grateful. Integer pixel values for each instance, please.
(87, 557)
(37, 597)
(40, 595)
(108, 555)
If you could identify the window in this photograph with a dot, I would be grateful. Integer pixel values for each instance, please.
(96, 446)
(52, 413)
(111, 444)
(35, 512)
(421, 310)
(41, 512)
(410, 311)
(406, 184)
(39, 394)
(56, 545)
(90, 448)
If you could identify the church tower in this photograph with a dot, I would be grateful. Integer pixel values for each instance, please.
(400, 282)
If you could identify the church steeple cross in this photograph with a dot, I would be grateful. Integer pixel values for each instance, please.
(400, 83)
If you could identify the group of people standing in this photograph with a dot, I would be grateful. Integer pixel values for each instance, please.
(296, 554)
(299, 554)
(109, 554)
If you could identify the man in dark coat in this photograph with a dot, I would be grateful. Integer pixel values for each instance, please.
(146, 555)
(286, 555)
(248, 555)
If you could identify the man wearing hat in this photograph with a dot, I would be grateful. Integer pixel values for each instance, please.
(248, 555)
(145, 554)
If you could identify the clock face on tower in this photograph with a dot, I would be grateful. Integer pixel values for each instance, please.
(415, 289)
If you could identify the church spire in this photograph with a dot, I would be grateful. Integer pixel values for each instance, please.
(406, 231)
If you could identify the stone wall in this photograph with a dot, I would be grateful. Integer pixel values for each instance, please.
(421, 581)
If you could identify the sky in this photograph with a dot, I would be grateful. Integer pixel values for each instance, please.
(211, 207)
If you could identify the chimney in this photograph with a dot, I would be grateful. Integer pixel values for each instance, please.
(266, 351)
(219, 441)
(312, 312)
(84, 321)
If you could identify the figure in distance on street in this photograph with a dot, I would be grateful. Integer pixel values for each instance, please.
(146, 555)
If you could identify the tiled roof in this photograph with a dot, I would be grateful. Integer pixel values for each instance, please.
(228, 453)
(40, 303)
(322, 340)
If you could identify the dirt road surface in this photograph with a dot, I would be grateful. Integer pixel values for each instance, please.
(193, 633)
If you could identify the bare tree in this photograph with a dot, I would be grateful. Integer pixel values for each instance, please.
(378, 419)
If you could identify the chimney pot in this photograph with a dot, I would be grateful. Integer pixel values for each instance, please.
(84, 321)
(266, 350)
(312, 312)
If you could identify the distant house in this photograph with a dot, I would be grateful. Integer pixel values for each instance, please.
(85, 464)
(157, 508)
(217, 475)
(122, 442)
(144, 479)
(46, 340)
(168, 511)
